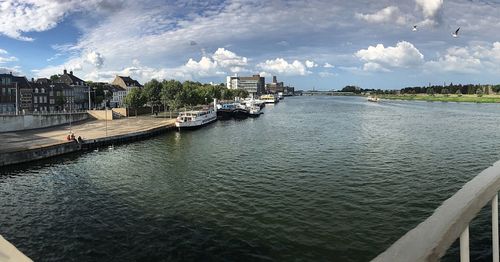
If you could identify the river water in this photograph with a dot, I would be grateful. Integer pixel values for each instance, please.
(313, 179)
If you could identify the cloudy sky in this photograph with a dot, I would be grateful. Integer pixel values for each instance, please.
(325, 44)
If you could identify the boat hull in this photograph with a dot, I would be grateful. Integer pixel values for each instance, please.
(224, 114)
(240, 113)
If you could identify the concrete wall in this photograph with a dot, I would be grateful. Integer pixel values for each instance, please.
(101, 114)
(122, 111)
(18, 123)
(11, 158)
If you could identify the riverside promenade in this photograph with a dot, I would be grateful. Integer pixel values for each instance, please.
(24, 146)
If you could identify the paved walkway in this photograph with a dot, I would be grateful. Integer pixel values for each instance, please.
(17, 141)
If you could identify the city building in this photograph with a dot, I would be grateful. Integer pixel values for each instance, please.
(15, 94)
(50, 97)
(78, 97)
(275, 86)
(254, 85)
(121, 87)
(289, 91)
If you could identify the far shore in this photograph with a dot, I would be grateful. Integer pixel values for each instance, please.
(445, 98)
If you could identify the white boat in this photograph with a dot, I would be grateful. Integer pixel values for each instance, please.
(196, 118)
(373, 99)
(269, 99)
(254, 111)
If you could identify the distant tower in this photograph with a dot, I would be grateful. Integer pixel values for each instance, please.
(275, 80)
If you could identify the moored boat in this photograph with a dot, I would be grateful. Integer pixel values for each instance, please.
(196, 118)
(373, 99)
(269, 99)
(240, 111)
(254, 111)
(225, 111)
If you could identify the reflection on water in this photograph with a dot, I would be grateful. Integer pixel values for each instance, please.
(314, 178)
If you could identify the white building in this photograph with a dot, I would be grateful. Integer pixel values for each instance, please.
(254, 85)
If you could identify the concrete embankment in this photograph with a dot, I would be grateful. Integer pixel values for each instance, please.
(11, 123)
(51, 143)
(9, 253)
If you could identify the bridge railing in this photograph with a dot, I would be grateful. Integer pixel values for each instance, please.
(430, 240)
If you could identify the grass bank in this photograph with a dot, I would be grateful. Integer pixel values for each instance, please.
(443, 98)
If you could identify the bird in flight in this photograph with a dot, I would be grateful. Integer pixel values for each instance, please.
(455, 34)
(414, 28)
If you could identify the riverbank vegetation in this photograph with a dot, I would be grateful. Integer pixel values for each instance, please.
(444, 93)
(444, 98)
(173, 94)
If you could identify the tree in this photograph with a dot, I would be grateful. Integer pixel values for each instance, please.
(54, 78)
(170, 94)
(135, 99)
(479, 92)
(151, 93)
(459, 93)
(445, 91)
(60, 101)
(430, 91)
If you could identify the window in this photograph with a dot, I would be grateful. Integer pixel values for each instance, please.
(35, 99)
(36, 90)
(51, 93)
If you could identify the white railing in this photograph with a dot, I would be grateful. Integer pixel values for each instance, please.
(430, 240)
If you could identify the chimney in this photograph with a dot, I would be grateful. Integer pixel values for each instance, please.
(71, 72)
(33, 80)
(10, 73)
(275, 80)
(65, 71)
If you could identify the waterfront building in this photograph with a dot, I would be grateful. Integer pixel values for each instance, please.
(289, 91)
(121, 87)
(275, 86)
(254, 85)
(78, 97)
(51, 97)
(15, 92)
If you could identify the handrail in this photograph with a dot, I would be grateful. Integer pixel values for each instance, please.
(430, 240)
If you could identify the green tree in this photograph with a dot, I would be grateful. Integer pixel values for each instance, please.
(459, 93)
(151, 93)
(135, 99)
(430, 91)
(170, 94)
(60, 101)
(54, 78)
(479, 92)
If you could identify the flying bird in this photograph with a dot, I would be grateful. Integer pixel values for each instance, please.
(414, 28)
(455, 34)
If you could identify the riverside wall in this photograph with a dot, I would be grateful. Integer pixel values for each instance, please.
(28, 155)
(13, 123)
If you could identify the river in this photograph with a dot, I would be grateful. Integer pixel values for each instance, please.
(313, 179)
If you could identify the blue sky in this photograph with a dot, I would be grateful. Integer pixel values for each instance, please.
(325, 44)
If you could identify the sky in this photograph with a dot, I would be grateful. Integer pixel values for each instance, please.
(320, 44)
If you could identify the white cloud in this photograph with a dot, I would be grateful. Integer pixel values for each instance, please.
(281, 66)
(380, 58)
(328, 65)
(6, 59)
(16, 70)
(325, 74)
(477, 58)
(95, 58)
(389, 14)
(21, 16)
(310, 64)
(230, 60)
(431, 11)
